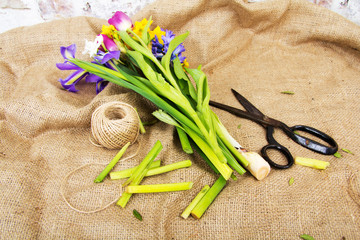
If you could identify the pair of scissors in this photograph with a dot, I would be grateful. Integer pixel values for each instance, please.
(252, 113)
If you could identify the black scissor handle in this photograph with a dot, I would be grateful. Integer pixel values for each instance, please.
(283, 150)
(273, 144)
(312, 144)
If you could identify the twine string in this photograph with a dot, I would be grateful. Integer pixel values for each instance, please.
(114, 124)
(67, 194)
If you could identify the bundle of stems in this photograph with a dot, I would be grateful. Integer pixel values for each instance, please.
(168, 85)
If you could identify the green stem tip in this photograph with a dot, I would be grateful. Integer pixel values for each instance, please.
(209, 197)
(195, 201)
(111, 165)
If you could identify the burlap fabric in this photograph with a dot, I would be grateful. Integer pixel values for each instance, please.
(260, 49)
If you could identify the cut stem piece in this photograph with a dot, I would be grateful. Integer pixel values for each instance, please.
(139, 173)
(195, 201)
(169, 187)
(153, 171)
(310, 162)
(168, 168)
(127, 172)
(209, 197)
(111, 165)
(258, 167)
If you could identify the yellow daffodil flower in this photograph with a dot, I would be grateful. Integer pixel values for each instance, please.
(108, 30)
(139, 26)
(157, 32)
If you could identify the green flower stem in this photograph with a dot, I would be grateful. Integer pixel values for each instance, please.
(140, 171)
(231, 148)
(195, 201)
(142, 43)
(310, 162)
(127, 172)
(203, 156)
(170, 187)
(223, 168)
(110, 166)
(185, 144)
(142, 129)
(230, 159)
(125, 80)
(142, 48)
(209, 197)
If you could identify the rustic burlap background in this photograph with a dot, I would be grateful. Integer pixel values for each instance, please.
(260, 49)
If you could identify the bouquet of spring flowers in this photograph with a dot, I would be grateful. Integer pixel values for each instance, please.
(151, 63)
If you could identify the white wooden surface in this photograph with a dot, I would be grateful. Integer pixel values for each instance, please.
(16, 13)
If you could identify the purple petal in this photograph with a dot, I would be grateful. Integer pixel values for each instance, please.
(100, 85)
(120, 21)
(70, 82)
(67, 66)
(110, 55)
(91, 78)
(70, 88)
(68, 52)
(105, 57)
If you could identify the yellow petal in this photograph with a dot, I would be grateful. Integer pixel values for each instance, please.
(157, 32)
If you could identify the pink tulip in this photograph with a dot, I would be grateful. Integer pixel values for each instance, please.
(109, 43)
(120, 21)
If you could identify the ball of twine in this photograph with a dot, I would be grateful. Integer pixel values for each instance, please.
(114, 124)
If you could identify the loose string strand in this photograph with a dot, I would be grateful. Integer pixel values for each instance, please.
(63, 185)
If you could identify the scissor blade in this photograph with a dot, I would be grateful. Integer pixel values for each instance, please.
(248, 115)
(242, 113)
(246, 104)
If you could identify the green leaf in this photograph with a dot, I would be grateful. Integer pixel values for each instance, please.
(137, 215)
(307, 237)
(135, 45)
(195, 74)
(239, 126)
(143, 65)
(164, 117)
(291, 181)
(165, 61)
(338, 155)
(184, 82)
(179, 72)
(145, 36)
(128, 81)
(288, 92)
(347, 151)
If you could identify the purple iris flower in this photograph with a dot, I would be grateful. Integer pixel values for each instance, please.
(68, 52)
(159, 50)
(70, 82)
(100, 83)
(103, 57)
